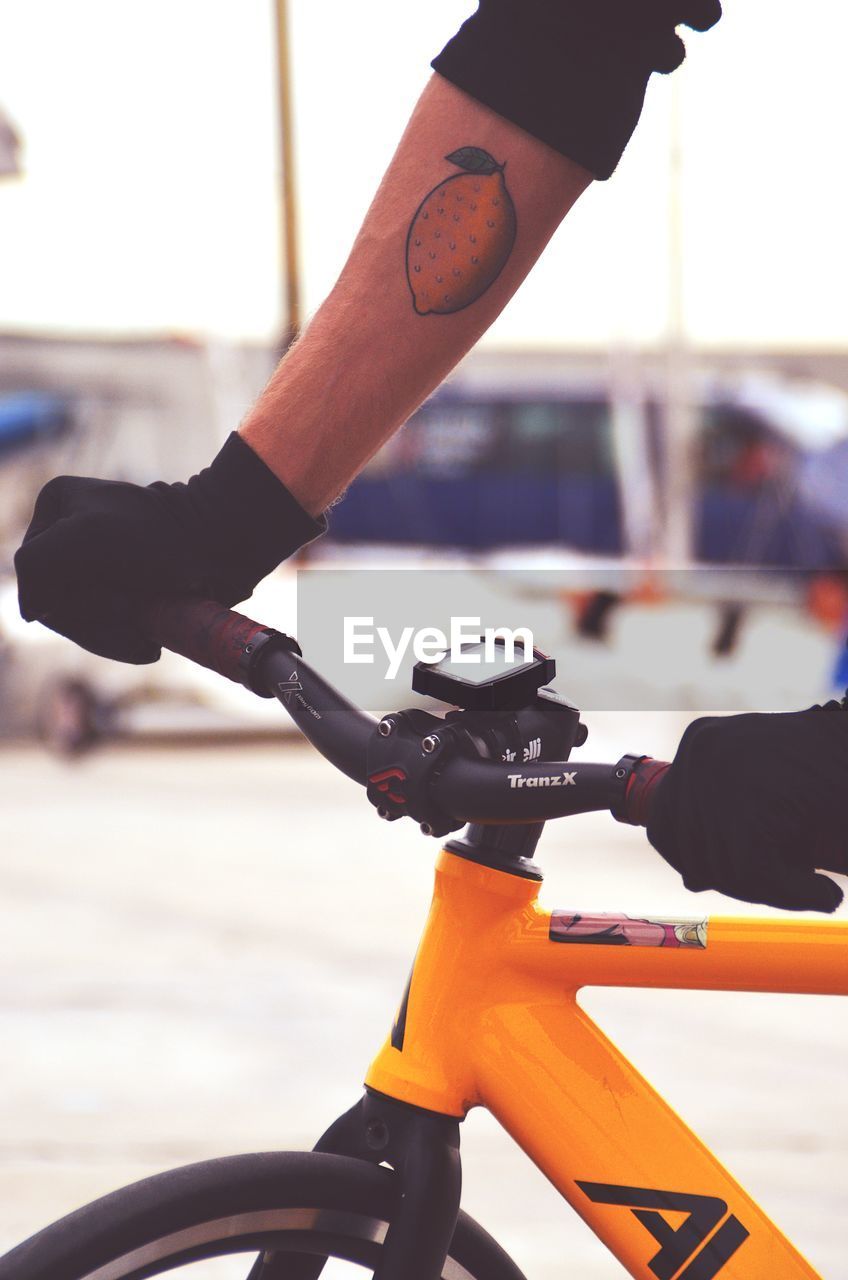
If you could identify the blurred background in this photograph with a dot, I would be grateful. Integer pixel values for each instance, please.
(179, 186)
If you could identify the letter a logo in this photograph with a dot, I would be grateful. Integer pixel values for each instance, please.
(695, 1242)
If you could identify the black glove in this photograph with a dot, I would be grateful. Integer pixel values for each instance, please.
(98, 551)
(571, 72)
(754, 804)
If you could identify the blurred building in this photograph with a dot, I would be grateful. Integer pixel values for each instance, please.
(564, 449)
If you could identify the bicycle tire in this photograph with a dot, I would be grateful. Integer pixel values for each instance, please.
(295, 1203)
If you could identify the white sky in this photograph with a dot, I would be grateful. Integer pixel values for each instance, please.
(149, 201)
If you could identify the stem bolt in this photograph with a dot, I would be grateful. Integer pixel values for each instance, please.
(621, 773)
(385, 727)
(382, 812)
(430, 743)
(426, 829)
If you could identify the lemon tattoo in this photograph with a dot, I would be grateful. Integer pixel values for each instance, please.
(461, 236)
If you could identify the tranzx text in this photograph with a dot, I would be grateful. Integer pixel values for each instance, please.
(362, 640)
(543, 780)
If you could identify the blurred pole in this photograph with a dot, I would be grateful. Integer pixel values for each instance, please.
(288, 202)
(680, 422)
(10, 149)
(636, 481)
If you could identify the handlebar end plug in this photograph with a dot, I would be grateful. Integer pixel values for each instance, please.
(639, 777)
(263, 642)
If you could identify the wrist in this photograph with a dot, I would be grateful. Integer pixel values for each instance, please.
(297, 465)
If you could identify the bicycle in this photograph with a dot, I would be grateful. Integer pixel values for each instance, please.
(489, 1018)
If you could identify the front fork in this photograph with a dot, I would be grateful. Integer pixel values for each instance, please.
(423, 1149)
(421, 1145)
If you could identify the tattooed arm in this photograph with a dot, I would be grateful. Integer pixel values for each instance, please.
(467, 205)
(533, 97)
(395, 323)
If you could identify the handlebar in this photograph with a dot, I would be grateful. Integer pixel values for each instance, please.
(270, 664)
(460, 788)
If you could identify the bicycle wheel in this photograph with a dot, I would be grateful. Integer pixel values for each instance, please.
(216, 1218)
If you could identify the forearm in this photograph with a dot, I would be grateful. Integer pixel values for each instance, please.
(376, 348)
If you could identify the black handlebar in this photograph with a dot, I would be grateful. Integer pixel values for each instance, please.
(486, 791)
(464, 789)
(269, 664)
(337, 728)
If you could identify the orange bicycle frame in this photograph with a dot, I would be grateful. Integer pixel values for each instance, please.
(490, 1018)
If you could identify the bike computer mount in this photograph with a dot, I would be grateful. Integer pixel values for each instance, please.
(502, 711)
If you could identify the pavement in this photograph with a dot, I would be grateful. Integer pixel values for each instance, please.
(201, 949)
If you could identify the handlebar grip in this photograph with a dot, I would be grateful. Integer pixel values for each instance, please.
(214, 637)
(641, 789)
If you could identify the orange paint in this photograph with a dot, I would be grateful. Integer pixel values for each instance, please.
(492, 1020)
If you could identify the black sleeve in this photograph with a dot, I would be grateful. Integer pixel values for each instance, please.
(564, 72)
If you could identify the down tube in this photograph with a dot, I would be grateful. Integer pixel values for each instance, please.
(652, 1192)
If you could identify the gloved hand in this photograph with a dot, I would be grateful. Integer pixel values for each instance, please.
(98, 551)
(571, 72)
(754, 804)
